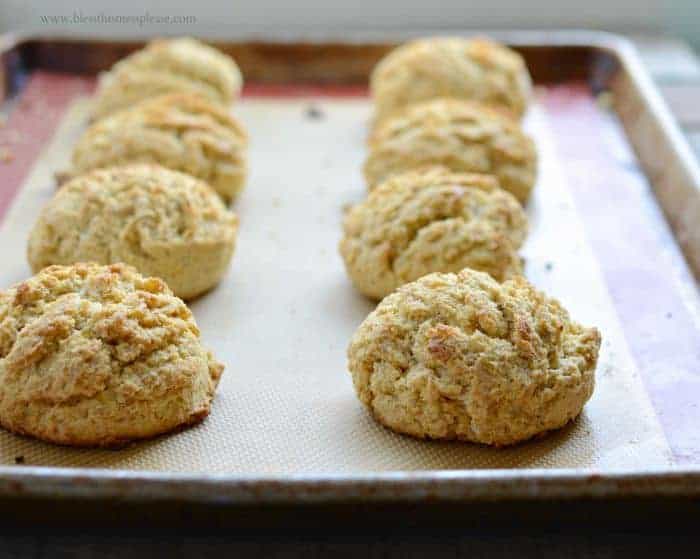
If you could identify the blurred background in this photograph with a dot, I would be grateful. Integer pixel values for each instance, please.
(215, 18)
(666, 32)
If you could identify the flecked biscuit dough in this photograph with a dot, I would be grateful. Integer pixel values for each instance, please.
(461, 135)
(96, 355)
(162, 222)
(183, 132)
(460, 356)
(478, 69)
(181, 65)
(431, 220)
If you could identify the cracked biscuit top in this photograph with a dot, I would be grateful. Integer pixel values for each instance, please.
(96, 355)
(183, 132)
(476, 69)
(164, 223)
(461, 135)
(460, 356)
(431, 220)
(182, 65)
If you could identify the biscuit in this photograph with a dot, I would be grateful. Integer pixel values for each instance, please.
(96, 355)
(163, 66)
(183, 132)
(164, 223)
(477, 69)
(431, 220)
(461, 135)
(460, 356)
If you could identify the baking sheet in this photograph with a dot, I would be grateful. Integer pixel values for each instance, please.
(283, 316)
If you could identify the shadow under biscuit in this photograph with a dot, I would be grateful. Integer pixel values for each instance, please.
(366, 445)
(143, 455)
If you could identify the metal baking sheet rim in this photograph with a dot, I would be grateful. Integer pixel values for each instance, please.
(430, 486)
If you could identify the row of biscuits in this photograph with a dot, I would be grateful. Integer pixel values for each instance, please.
(160, 172)
(460, 346)
(94, 351)
(448, 166)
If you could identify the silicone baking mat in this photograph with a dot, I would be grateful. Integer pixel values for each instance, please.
(283, 315)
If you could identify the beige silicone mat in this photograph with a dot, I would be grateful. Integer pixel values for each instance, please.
(283, 316)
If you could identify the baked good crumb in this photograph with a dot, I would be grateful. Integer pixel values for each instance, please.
(431, 220)
(460, 356)
(478, 69)
(179, 65)
(94, 355)
(164, 223)
(464, 136)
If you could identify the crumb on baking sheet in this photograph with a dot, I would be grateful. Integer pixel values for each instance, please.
(6, 156)
(605, 100)
(314, 113)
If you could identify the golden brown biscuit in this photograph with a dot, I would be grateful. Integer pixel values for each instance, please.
(164, 223)
(431, 220)
(476, 69)
(99, 356)
(460, 356)
(164, 66)
(182, 132)
(461, 135)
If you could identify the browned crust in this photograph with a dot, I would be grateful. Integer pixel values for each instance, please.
(117, 443)
(496, 445)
